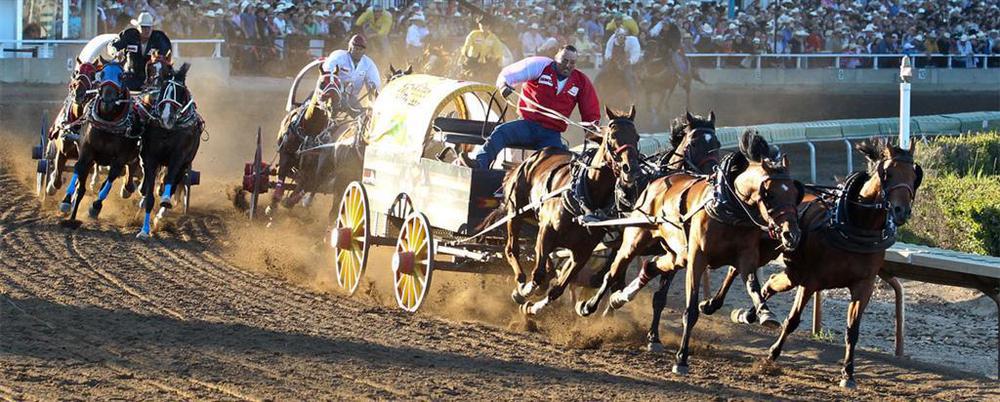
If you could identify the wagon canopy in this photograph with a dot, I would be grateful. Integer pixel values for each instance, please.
(293, 92)
(97, 47)
(404, 112)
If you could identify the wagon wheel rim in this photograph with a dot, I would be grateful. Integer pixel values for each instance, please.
(255, 174)
(352, 214)
(401, 207)
(414, 237)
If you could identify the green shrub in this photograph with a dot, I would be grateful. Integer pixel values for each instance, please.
(957, 213)
(976, 154)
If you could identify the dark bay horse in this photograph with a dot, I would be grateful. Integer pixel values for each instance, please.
(615, 160)
(708, 225)
(170, 139)
(65, 130)
(845, 240)
(109, 140)
(695, 151)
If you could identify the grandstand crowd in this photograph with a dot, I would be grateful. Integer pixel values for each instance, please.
(258, 31)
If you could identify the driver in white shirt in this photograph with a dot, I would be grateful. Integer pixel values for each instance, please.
(356, 69)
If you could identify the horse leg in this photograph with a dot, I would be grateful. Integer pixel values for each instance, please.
(66, 203)
(80, 172)
(792, 322)
(748, 271)
(650, 269)
(513, 253)
(149, 169)
(861, 293)
(777, 283)
(634, 239)
(95, 208)
(55, 178)
(659, 302)
(128, 186)
(697, 264)
(580, 254)
(544, 243)
(710, 306)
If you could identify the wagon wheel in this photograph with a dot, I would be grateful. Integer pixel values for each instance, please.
(255, 176)
(351, 238)
(413, 262)
(187, 196)
(44, 164)
(401, 208)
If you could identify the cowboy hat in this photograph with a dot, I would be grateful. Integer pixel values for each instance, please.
(143, 20)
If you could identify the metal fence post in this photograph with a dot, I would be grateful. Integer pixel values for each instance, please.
(812, 161)
(850, 157)
(875, 63)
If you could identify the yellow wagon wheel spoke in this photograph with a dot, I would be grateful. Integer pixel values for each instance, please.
(350, 237)
(413, 262)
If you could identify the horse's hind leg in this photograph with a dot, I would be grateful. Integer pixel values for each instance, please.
(128, 185)
(633, 240)
(55, 178)
(748, 271)
(710, 306)
(697, 263)
(512, 252)
(580, 254)
(792, 322)
(95, 208)
(861, 293)
(659, 303)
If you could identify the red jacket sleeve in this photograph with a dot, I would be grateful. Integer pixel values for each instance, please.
(590, 106)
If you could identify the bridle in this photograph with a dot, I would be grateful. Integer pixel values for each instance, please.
(616, 166)
(773, 214)
(687, 160)
(884, 193)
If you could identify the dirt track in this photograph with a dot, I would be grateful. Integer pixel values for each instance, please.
(213, 309)
(94, 313)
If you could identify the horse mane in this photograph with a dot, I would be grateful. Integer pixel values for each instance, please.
(877, 149)
(753, 146)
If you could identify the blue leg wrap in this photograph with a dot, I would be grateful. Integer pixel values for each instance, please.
(104, 190)
(145, 224)
(168, 190)
(72, 185)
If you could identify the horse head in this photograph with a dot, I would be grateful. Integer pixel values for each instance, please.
(330, 93)
(82, 81)
(766, 185)
(158, 68)
(394, 73)
(895, 177)
(174, 98)
(619, 145)
(696, 147)
(110, 91)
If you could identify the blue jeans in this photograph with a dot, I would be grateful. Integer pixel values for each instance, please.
(524, 133)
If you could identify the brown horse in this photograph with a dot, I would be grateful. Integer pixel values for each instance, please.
(845, 241)
(615, 162)
(708, 226)
(65, 130)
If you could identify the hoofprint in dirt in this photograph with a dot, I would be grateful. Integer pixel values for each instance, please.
(94, 314)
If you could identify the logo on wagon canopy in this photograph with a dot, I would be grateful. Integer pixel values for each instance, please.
(368, 177)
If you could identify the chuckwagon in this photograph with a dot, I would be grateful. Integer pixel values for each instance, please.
(410, 197)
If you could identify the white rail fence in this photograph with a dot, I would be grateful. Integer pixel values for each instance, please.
(48, 48)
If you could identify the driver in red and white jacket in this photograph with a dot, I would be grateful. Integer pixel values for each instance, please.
(555, 84)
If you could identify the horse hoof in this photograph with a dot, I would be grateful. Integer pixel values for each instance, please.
(126, 192)
(94, 212)
(526, 309)
(705, 307)
(848, 383)
(617, 301)
(736, 316)
(142, 235)
(681, 370)
(582, 310)
(165, 203)
(767, 320)
(65, 207)
(655, 347)
(518, 299)
(51, 189)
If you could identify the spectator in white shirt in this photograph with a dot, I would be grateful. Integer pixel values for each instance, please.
(415, 36)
